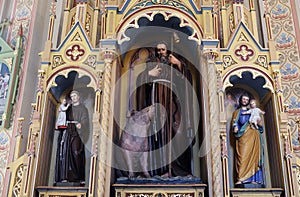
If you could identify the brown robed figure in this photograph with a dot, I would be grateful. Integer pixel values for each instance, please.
(70, 156)
(173, 119)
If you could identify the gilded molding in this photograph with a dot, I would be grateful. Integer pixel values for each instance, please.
(255, 74)
(132, 22)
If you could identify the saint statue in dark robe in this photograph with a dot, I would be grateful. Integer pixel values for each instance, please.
(165, 82)
(70, 156)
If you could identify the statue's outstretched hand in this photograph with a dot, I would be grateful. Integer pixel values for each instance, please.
(155, 72)
(78, 126)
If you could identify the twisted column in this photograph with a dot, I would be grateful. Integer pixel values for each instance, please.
(108, 57)
(210, 56)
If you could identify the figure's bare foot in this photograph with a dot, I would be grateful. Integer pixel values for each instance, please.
(64, 181)
(166, 175)
(130, 175)
(239, 182)
(146, 174)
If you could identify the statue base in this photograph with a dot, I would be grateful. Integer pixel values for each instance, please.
(256, 192)
(46, 191)
(167, 189)
(250, 185)
(68, 184)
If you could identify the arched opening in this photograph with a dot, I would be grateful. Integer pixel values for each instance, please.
(270, 154)
(135, 53)
(54, 142)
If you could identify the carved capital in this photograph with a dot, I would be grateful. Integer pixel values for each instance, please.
(108, 55)
(210, 54)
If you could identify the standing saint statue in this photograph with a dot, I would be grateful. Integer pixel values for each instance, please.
(165, 81)
(248, 145)
(70, 156)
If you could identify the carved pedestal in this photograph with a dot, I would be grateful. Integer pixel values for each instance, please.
(45, 191)
(159, 190)
(261, 192)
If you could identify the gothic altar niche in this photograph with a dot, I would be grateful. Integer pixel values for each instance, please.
(267, 175)
(159, 154)
(66, 89)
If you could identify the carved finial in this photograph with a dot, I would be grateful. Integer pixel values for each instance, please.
(266, 5)
(103, 6)
(53, 8)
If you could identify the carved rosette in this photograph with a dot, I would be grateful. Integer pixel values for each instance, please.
(244, 52)
(75, 52)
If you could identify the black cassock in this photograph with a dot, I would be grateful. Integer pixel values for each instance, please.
(70, 157)
(179, 104)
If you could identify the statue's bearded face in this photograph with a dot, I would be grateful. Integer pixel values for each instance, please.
(245, 101)
(161, 50)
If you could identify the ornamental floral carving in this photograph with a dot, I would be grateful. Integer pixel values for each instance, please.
(75, 52)
(244, 52)
(228, 61)
(57, 61)
(91, 61)
(262, 61)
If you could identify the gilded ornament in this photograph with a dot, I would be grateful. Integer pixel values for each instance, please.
(88, 24)
(243, 38)
(57, 61)
(75, 52)
(228, 61)
(91, 61)
(77, 37)
(17, 186)
(262, 61)
(244, 52)
(231, 22)
(8, 62)
(160, 1)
